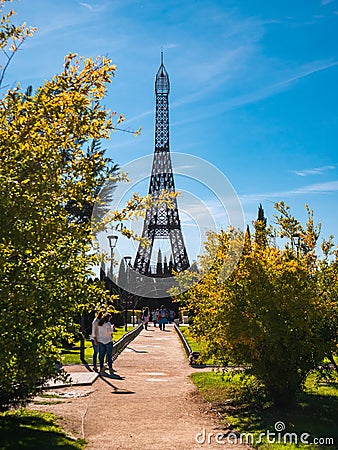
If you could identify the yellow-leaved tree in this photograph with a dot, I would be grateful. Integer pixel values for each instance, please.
(50, 174)
(276, 314)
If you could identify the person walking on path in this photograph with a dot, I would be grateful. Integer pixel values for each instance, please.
(145, 317)
(93, 340)
(163, 317)
(104, 338)
(155, 315)
(172, 315)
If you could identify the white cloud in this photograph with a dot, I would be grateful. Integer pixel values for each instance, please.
(314, 171)
(169, 46)
(326, 2)
(318, 188)
(87, 5)
(275, 88)
(93, 8)
(256, 95)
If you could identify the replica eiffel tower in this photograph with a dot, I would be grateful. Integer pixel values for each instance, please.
(162, 221)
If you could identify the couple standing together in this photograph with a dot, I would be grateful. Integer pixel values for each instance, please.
(102, 340)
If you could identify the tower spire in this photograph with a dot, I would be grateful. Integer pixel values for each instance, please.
(162, 222)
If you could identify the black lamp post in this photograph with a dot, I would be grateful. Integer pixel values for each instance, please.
(127, 260)
(296, 242)
(112, 239)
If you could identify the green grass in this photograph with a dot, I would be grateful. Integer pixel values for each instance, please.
(315, 412)
(119, 332)
(72, 355)
(191, 341)
(194, 345)
(24, 429)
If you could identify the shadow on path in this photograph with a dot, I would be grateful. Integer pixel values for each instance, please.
(137, 351)
(116, 390)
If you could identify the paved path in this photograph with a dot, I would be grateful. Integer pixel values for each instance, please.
(150, 403)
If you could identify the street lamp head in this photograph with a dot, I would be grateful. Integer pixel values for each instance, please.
(127, 260)
(112, 238)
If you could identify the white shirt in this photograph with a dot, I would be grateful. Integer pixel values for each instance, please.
(104, 333)
(94, 325)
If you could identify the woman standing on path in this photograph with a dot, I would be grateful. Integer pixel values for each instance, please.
(93, 340)
(104, 338)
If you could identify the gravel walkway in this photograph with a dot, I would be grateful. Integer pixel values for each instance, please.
(150, 402)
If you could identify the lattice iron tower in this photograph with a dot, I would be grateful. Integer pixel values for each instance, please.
(162, 222)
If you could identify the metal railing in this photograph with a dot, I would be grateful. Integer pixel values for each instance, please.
(125, 340)
(192, 356)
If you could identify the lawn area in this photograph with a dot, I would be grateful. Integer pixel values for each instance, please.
(194, 345)
(72, 355)
(24, 429)
(315, 413)
(184, 329)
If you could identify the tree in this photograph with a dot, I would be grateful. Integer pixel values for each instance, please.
(260, 225)
(105, 173)
(327, 325)
(170, 265)
(159, 269)
(165, 266)
(122, 275)
(48, 186)
(11, 37)
(271, 314)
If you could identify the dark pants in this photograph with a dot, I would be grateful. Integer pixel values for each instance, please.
(95, 351)
(162, 323)
(106, 349)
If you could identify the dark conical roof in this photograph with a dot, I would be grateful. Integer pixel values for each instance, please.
(162, 85)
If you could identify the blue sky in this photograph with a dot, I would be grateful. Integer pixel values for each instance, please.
(253, 86)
